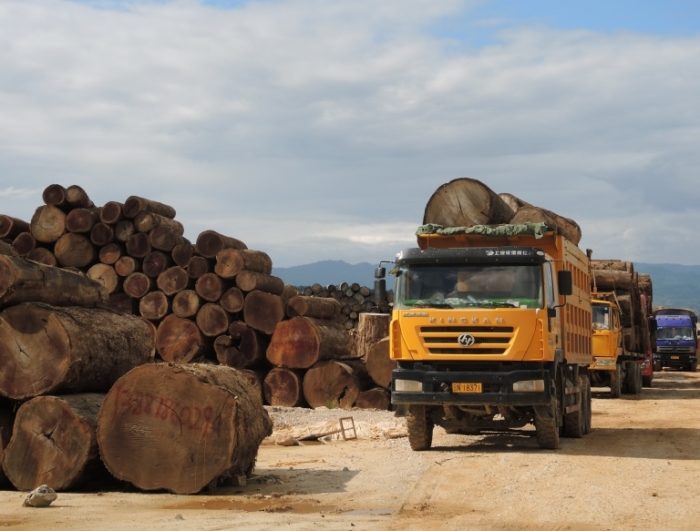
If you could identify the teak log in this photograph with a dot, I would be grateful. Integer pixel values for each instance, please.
(209, 287)
(186, 303)
(46, 349)
(138, 245)
(283, 387)
(48, 224)
(154, 306)
(616, 265)
(105, 275)
(54, 195)
(123, 230)
(263, 311)
(252, 280)
(154, 263)
(111, 212)
(371, 328)
(232, 300)
(333, 384)
(212, 319)
(26, 281)
(147, 221)
(181, 253)
(10, 227)
(7, 249)
(54, 442)
(42, 255)
(126, 265)
(137, 284)
(375, 398)
(611, 280)
(76, 197)
(197, 266)
(301, 342)
(242, 347)
(379, 365)
(230, 261)
(163, 239)
(181, 427)
(318, 307)
(532, 214)
(135, 205)
(110, 253)
(179, 340)
(74, 250)
(464, 202)
(210, 242)
(23, 243)
(101, 234)
(121, 302)
(172, 280)
(81, 219)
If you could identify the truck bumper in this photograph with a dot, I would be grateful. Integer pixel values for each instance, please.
(496, 387)
(672, 359)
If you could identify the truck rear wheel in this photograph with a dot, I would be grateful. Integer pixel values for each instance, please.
(547, 433)
(633, 378)
(574, 421)
(616, 382)
(420, 428)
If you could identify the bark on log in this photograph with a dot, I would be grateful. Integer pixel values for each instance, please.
(101, 234)
(186, 303)
(514, 202)
(46, 349)
(55, 195)
(289, 292)
(610, 280)
(301, 342)
(147, 221)
(251, 280)
(105, 275)
(464, 202)
(81, 220)
(111, 212)
(375, 398)
(263, 311)
(318, 307)
(333, 384)
(25, 281)
(230, 261)
(172, 280)
(76, 197)
(178, 340)
(43, 256)
(212, 320)
(110, 253)
(154, 306)
(371, 328)
(137, 284)
(135, 205)
(197, 266)
(74, 250)
(126, 265)
(182, 253)
(532, 214)
(209, 287)
(181, 427)
(255, 379)
(138, 245)
(154, 263)
(242, 347)
(163, 239)
(48, 224)
(10, 227)
(121, 302)
(616, 265)
(379, 365)
(210, 242)
(283, 387)
(123, 230)
(54, 443)
(23, 243)
(232, 300)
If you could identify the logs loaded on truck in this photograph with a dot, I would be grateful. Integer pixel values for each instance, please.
(622, 337)
(491, 325)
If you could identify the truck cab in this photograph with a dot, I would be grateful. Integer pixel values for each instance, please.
(676, 339)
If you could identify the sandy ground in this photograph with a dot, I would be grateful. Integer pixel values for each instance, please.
(638, 469)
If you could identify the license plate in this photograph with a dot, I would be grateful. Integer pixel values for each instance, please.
(463, 387)
(675, 357)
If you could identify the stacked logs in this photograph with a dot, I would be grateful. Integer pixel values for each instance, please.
(354, 300)
(466, 202)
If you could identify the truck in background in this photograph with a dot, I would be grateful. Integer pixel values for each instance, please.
(676, 339)
(621, 334)
(491, 330)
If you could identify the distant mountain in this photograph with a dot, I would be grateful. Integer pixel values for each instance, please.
(674, 285)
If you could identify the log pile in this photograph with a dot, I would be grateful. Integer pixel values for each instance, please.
(466, 202)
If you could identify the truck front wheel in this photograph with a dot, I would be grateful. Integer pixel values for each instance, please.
(616, 382)
(420, 428)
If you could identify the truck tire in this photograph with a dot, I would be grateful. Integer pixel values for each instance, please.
(574, 421)
(693, 366)
(616, 382)
(420, 428)
(646, 381)
(547, 433)
(588, 411)
(637, 381)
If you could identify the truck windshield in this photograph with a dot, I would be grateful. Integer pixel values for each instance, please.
(467, 286)
(601, 317)
(675, 332)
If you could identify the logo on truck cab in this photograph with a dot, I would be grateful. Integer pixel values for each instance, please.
(466, 340)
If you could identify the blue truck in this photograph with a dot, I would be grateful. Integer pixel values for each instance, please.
(676, 339)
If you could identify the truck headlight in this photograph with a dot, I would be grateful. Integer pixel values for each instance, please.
(408, 386)
(529, 386)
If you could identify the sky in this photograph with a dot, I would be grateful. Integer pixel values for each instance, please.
(317, 130)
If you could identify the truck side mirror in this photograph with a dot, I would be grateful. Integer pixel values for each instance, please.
(380, 272)
(379, 286)
(565, 281)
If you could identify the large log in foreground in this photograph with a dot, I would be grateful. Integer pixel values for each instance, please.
(300, 342)
(181, 427)
(283, 387)
(464, 202)
(53, 442)
(46, 349)
(27, 281)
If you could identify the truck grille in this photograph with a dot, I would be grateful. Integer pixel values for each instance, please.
(487, 339)
(675, 349)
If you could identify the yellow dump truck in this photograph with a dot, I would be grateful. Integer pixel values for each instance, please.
(491, 330)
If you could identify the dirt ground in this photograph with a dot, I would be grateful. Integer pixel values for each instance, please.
(638, 469)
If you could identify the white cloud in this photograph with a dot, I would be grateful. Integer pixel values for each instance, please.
(333, 122)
